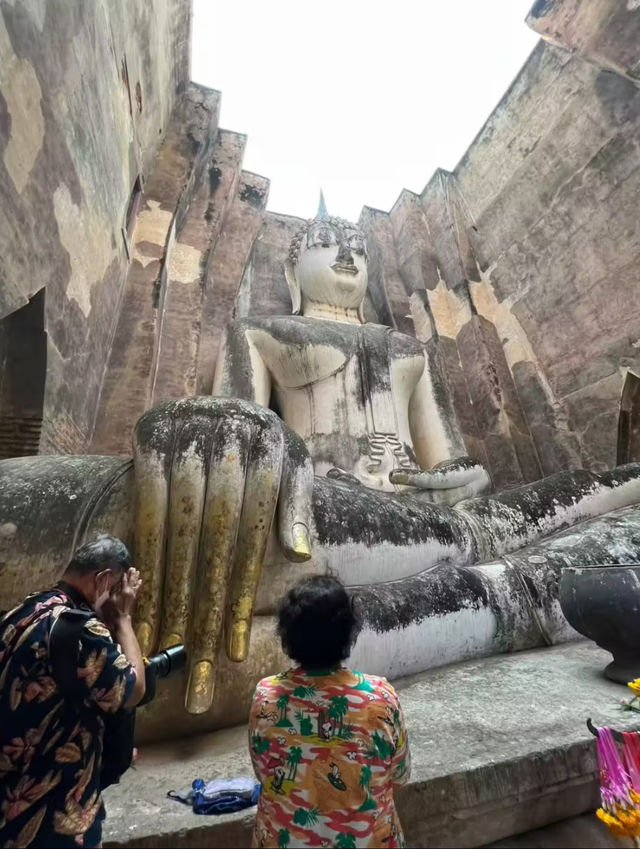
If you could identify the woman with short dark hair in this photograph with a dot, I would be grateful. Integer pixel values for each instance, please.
(328, 744)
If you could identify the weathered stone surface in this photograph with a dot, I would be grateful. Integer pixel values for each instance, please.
(387, 293)
(483, 745)
(85, 96)
(159, 264)
(548, 183)
(183, 314)
(605, 32)
(263, 290)
(49, 509)
(226, 268)
(584, 831)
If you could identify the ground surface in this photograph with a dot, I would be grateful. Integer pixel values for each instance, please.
(499, 747)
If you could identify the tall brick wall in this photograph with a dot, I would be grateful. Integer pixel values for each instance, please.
(86, 91)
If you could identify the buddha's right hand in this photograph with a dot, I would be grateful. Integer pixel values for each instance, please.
(448, 482)
(209, 474)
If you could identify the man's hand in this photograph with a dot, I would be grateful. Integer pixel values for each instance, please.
(120, 603)
(116, 611)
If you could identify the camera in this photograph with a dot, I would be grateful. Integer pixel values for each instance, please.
(162, 665)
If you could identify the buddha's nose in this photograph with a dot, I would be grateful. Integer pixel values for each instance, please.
(344, 252)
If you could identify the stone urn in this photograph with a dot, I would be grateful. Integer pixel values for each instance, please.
(603, 603)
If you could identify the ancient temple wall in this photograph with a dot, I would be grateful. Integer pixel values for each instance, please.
(158, 322)
(550, 189)
(86, 90)
(520, 266)
(243, 223)
(200, 215)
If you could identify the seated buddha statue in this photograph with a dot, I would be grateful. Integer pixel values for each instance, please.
(362, 396)
(329, 444)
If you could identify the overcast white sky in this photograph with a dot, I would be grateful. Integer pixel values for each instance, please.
(361, 98)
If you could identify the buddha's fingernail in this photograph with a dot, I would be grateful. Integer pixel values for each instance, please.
(301, 544)
(145, 637)
(172, 640)
(200, 688)
(239, 643)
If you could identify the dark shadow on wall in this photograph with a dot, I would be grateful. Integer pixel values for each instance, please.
(23, 368)
(629, 421)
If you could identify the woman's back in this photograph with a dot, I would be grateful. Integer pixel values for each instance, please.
(327, 748)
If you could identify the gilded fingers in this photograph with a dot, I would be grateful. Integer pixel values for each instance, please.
(260, 498)
(186, 502)
(221, 518)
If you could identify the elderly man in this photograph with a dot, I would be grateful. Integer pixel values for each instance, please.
(51, 730)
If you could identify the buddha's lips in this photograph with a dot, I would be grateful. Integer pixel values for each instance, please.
(348, 269)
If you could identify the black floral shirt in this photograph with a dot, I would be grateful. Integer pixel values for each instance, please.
(51, 751)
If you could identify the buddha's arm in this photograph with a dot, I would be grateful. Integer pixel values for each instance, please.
(432, 420)
(450, 475)
(240, 371)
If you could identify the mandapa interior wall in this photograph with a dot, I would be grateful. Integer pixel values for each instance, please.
(86, 94)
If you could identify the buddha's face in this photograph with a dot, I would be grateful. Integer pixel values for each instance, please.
(331, 266)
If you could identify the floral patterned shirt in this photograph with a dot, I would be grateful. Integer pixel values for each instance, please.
(327, 748)
(51, 752)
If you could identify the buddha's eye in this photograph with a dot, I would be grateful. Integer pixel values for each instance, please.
(322, 237)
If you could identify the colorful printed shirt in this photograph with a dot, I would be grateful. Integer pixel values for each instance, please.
(51, 751)
(327, 748)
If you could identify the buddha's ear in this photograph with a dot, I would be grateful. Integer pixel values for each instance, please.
(294, 287)
(363, 320)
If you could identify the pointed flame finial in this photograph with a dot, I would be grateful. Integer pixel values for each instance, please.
(322, 207)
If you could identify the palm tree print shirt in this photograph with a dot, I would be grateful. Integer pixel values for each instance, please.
(327, 748)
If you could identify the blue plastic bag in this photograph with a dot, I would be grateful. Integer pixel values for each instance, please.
(219, 796)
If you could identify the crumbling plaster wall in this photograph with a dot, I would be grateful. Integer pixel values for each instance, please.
(199, 215)
(551, 189)
(86, 91)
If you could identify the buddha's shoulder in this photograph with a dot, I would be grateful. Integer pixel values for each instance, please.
(403, 345)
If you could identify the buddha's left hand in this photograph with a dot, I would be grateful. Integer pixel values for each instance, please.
(448, 482)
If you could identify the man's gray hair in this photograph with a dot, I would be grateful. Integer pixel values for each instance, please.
(104, 552)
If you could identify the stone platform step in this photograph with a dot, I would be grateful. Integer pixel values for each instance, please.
(499, 747)
(583, 832)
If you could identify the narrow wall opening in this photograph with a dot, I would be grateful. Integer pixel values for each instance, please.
(23, 369)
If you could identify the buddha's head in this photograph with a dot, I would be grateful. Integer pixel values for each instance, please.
(327, 265)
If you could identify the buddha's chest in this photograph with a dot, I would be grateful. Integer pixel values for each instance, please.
(355, 364)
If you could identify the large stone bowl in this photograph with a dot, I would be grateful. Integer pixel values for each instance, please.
(603, 603)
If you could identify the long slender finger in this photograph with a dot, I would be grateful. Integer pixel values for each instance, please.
(449, 497)
(294, 502)
(186, 502)
(221, 519)
(151, 507)
(452, 476)
(260, 498)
